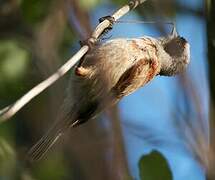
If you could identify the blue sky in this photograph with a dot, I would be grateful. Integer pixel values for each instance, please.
(151, 106)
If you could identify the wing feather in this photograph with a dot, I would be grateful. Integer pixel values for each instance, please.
(136, 76)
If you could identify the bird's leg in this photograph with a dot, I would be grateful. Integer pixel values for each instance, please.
(80, 70)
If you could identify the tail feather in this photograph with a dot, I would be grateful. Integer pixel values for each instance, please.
(44, 144)
(47, 141)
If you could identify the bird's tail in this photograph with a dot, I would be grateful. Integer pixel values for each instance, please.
(48, 140)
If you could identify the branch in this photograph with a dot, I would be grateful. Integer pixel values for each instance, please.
(12, 109)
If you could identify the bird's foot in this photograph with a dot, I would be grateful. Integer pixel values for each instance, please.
(110, 27)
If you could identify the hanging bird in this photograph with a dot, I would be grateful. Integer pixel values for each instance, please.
(110, 71)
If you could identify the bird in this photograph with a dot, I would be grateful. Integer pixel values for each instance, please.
(110, 71)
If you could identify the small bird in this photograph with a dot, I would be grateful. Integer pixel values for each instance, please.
(110, 71)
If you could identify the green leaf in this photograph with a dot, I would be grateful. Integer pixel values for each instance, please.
(154, 166)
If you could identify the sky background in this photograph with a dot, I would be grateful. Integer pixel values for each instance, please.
(161, 94)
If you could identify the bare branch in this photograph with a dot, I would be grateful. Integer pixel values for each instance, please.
(11, 110)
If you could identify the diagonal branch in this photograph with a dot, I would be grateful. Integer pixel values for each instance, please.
(11, 110)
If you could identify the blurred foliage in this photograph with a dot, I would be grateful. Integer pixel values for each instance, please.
(65, 47)
(7, 160)
(208, 2)
(35, 10)
(53, 168)
(88, 5)
(14, 65)
(120, 2)
(154, 166)
(14, 61)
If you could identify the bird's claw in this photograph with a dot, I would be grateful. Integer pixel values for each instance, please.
(111, 20)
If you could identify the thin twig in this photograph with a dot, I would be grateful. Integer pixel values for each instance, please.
(11, 110)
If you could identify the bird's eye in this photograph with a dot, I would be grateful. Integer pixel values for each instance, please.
(183, 40)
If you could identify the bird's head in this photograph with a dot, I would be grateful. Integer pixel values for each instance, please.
(176, 56)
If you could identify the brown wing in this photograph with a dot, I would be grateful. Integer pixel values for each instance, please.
(136, 76)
